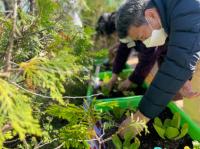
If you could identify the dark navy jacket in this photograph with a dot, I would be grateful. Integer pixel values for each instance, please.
(181, 21)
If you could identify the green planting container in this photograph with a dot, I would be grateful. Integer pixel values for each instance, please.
(133, 102)
(99, 62)
(101, 76)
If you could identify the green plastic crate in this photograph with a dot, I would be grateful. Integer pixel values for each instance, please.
(99, 62)
(125, 102)
(101, 75)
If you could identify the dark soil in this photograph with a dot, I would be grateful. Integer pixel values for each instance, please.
(116, 94)
(108, 67)
(151, 140)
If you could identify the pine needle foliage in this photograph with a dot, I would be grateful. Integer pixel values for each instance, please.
(50, 74)
(15, 108)
(80, 124)
(50, 58)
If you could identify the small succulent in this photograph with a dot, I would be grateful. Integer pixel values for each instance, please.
(128, 93)
(127, 141)
(118, 112)
(105, 90)
(196, 145)
(171, 128)
(104, 87)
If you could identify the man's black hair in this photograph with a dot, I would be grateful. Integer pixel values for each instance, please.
(130, 13)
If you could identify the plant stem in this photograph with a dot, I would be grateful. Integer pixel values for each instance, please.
(60, 146)
(11, 39)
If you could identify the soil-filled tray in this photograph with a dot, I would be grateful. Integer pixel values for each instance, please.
(152, 139)
(105, 66)
(115, 93)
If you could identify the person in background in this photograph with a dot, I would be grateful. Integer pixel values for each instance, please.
(105, 28)
(152, 22)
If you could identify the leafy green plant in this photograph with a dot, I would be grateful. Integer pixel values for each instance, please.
(196, 144)
(171, 128)
(126, 144)
(80, 124)
(43, 54)
(128, 93)
(118, 112)
(12, 104)
(104, 87)
(106, 90)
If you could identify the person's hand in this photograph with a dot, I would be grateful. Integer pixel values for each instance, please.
(125, 85)
(187, 91)
(112, 81)
(128, 124)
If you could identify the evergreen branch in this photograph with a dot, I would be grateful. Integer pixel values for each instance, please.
(40, 146)
(11, 39)
(12, 104)
(60, 146)
(49, 97)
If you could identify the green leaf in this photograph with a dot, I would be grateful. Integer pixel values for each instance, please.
(15, 107)
(184, 131)
(117, 142)
(158, 122)
(118, 112)
(167, 123)
(171, 132)
(128, 136)
(176, 120)
(160, 131)
(105, 90)
(136, 144)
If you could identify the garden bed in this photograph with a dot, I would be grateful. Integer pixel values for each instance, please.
(114, 93)
(105, 66)
(151, 139)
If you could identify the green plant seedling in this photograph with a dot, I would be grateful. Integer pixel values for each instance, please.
(128, 93)
(127, 143)
(196, 144)
(105, 90)
(116, 141)
(118, 112)
(171, 128)
(128, 137)
(104, 87)
(106, 79)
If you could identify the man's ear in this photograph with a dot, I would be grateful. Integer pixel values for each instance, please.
(152, 16)
(151, 13)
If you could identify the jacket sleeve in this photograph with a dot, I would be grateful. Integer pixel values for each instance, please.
(179, 65)
(147, 59)
(123, 53)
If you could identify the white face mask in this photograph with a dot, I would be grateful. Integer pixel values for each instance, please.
(130, 43)
(157, 38)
